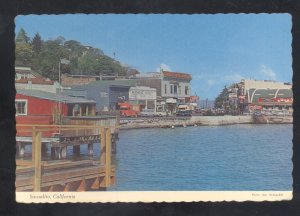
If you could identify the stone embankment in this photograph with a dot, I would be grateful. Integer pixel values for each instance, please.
(183, 122)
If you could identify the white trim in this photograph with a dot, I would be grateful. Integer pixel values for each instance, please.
(25, 107)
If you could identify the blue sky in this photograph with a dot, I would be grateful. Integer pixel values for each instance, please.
(216, 50)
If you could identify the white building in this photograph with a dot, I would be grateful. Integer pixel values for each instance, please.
(23, 73)
(172, 88)
(175, 89)
(26, 79)
(248, 84)
(176, 85)
(143, 95)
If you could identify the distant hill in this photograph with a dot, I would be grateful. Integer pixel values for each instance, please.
(44, 57)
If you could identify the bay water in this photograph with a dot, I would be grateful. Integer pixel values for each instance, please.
(206, 158)
(238, 157)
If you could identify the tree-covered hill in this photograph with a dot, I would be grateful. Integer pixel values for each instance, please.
(43, 56)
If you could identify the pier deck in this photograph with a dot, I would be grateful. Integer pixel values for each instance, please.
(65, 176)
(61, 174)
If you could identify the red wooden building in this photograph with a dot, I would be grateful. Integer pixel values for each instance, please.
(44, 108)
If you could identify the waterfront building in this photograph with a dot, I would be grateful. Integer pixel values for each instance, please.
(106, 93)
(83, 79)
(263, 94)
(247, 84)
(270, 100)
(143, 95)
(172, 88)
(45, 108)
(175, 89)
(26, 79)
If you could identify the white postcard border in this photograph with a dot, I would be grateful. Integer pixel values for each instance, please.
(151, 196)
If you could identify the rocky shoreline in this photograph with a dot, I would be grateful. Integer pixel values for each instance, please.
(184, 122)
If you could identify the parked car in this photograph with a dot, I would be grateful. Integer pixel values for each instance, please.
(184, 113)
(147, 112)
(160, 114)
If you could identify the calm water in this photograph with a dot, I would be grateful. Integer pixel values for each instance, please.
(237, 157)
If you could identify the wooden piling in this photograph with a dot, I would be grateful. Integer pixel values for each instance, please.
(90, 149)
(93, 177)
(53, 152)
(102, 145)
(76, 150)
(37, 159)
(108, 157)
(44, 150)
(20, 149)
(63, 152)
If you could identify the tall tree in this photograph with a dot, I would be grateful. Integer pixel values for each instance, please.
(222, 98)
(48, 59)
(24, 54)
(22, 37)
(36, 44)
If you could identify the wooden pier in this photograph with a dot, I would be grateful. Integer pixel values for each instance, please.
(60, 174)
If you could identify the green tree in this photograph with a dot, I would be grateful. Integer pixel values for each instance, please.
(222, 98)
(36, 44)
(24, 54)
(44, 57)
(22, 37)
(60, 40)
(74, 47)
(48, 60)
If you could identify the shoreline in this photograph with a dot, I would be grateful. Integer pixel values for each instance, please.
(190, 122)
(193, 121)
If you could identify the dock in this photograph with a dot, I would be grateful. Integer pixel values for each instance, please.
(60, 173)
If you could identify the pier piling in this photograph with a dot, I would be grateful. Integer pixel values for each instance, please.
(20, 149)
(76, 150)
(66, 175)
(90, 149)
(37, 159)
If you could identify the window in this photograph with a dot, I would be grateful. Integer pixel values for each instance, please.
(171, 89)
(165, 88)
(175, 89)
(186, 90)
(21, 107)
(179, 87)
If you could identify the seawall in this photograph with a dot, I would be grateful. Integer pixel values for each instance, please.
(180, 122)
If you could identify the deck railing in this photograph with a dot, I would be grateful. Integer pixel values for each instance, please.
(38, 165)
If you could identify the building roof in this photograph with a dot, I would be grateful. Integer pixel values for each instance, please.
(23, 70)
(36, 80)
(54, 97)
(177, 75)
(255, 94)
(124, 82)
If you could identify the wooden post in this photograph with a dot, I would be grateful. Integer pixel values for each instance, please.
(44, 150)
(20, 149)
(76, 150)
(63, 152)
(90, 149)
(102, 146)
(33, 145)
(108, 157)
(113, 143)
(37, 159)
(87, 110)
(53, 154)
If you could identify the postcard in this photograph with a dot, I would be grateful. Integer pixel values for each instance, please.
(153, 108)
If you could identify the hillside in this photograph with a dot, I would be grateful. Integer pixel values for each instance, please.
(43, 56)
